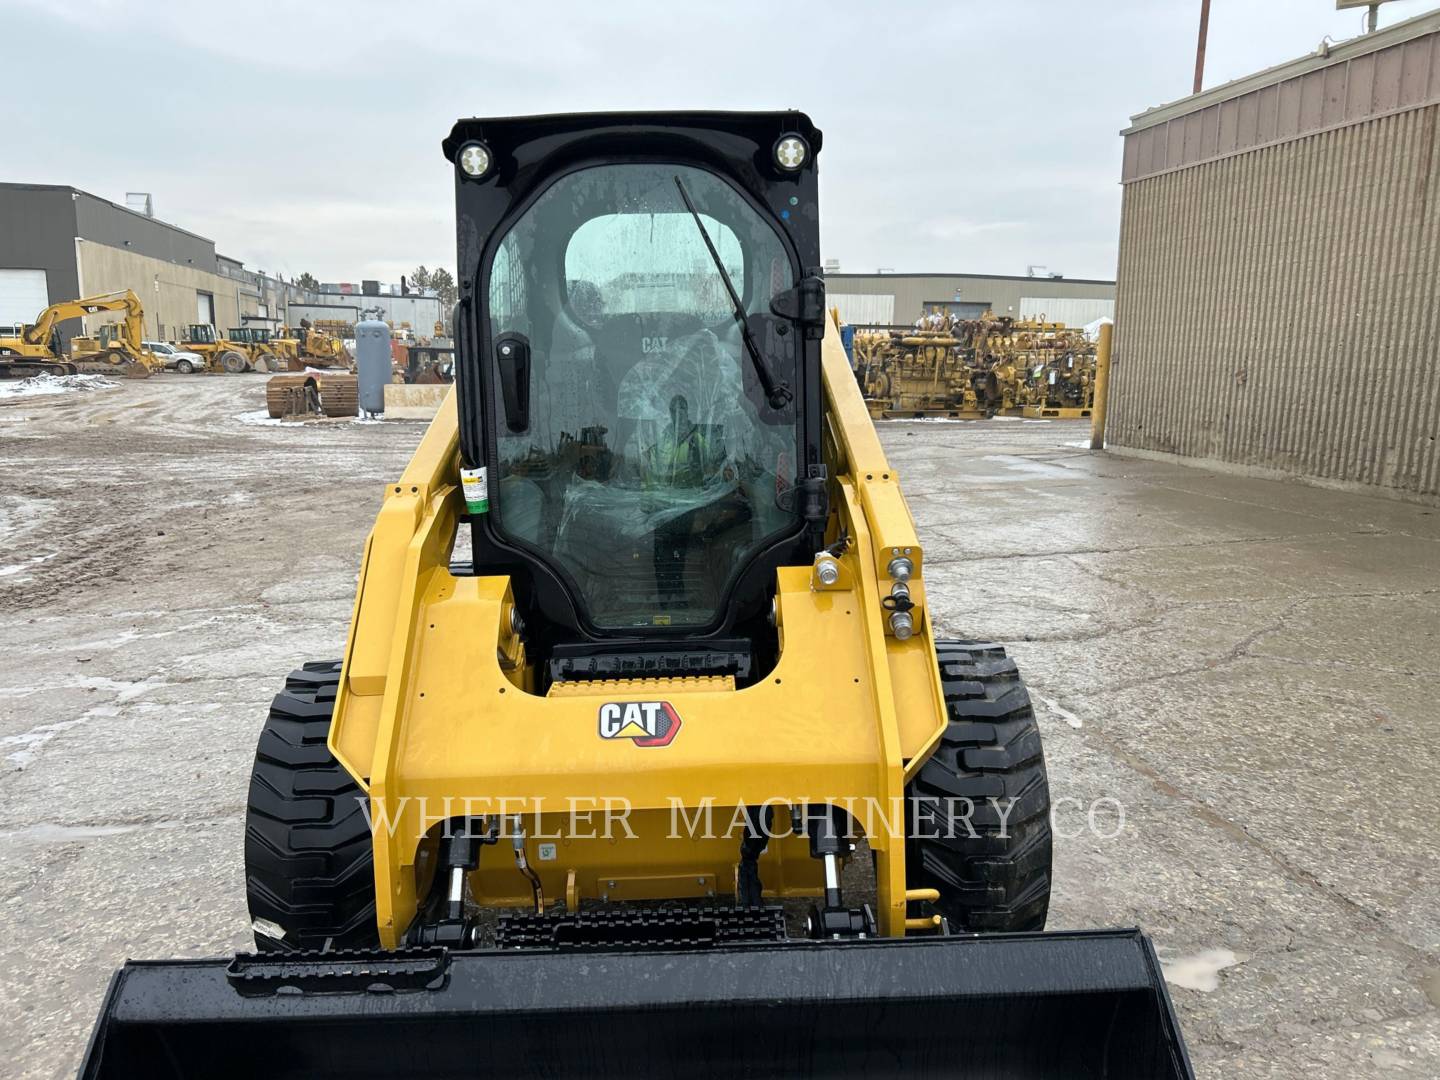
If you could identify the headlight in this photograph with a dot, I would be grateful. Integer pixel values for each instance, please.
(474, 160)
(791, 152)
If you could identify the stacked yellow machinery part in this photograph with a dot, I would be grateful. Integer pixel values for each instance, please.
(975, 368)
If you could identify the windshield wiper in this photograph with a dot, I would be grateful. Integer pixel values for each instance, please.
(777, 394)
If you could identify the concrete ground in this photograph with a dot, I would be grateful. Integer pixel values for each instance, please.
(1248, 668)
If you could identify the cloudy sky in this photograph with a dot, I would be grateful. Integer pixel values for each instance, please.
(973, 135)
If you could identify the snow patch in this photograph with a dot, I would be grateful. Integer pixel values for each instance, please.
(259, 418)
(1202, 971)
(1064, 714)
(44, 385)
(20, 568)
(29, 743)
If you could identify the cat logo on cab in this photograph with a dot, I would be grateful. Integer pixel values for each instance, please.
(648, 723)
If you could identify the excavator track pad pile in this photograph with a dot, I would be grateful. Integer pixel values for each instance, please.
(312, 394)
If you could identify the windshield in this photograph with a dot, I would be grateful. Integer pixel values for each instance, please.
(651, 467)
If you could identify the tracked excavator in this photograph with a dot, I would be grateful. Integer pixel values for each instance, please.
(34, 351)
(643, 757)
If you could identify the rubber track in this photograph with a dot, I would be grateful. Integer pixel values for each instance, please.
(308, 858)
(989, 759)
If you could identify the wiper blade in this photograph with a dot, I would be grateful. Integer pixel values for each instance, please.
(777, 394)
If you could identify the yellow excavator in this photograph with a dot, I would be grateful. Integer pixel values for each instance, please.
(34, 351)
(645, 757)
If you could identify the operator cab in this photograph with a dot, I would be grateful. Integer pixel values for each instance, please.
(639, 371)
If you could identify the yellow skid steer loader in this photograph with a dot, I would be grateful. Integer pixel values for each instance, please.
(643, 759)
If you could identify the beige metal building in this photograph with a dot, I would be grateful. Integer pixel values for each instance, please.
(1279, 276)
(59, 243)
(878, 300)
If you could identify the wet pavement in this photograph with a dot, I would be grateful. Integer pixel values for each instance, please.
(1236, 680)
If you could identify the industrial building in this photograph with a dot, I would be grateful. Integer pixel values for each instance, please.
(1279, 300)
(897, 300)
(419, 310)
(59, 243)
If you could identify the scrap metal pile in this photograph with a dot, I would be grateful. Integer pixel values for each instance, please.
(976, 369)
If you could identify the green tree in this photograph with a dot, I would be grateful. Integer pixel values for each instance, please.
(421, 278)
(307, 281)
(444, 286)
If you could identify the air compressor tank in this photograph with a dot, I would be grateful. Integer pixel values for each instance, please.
(372, 364)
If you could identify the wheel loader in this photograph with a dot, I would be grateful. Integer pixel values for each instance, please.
(221, 354)
(643, 758)
(265, 353)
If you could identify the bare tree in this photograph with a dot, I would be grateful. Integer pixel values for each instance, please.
(444, 286)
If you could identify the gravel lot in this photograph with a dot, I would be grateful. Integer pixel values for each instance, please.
(1249, 668)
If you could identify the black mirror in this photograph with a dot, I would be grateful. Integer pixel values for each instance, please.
(512, 355)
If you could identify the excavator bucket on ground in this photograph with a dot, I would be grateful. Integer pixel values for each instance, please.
(644, 758)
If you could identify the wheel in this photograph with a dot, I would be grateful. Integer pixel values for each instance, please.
(992, 872)
(309, 871)
(233, 362)
(184, 367)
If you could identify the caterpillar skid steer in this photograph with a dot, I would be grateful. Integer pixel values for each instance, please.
(643, 759)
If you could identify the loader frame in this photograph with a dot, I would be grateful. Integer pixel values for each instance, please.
(428, 649)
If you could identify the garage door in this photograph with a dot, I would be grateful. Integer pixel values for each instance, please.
(23, 295)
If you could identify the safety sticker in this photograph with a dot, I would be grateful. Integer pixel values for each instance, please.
(475, 483)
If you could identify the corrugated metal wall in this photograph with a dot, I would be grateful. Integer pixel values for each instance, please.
(1280, 308)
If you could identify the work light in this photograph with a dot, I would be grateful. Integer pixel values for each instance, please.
(791, 152)
(474, 160)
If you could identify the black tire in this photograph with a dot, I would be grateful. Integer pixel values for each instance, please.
(308, 860)
(233, 363)
(999, 878)
(184, 367)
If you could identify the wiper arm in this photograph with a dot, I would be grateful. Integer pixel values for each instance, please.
(777, 394)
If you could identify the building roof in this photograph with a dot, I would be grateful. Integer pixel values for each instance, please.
(1378, 75)
(76, 192)
(832, 276)
(1326, 55)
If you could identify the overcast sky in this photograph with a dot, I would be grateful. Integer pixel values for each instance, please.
(975, 135)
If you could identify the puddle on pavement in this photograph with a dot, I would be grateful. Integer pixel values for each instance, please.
(1431, 984)
(1201, 971)
(1015, 463)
